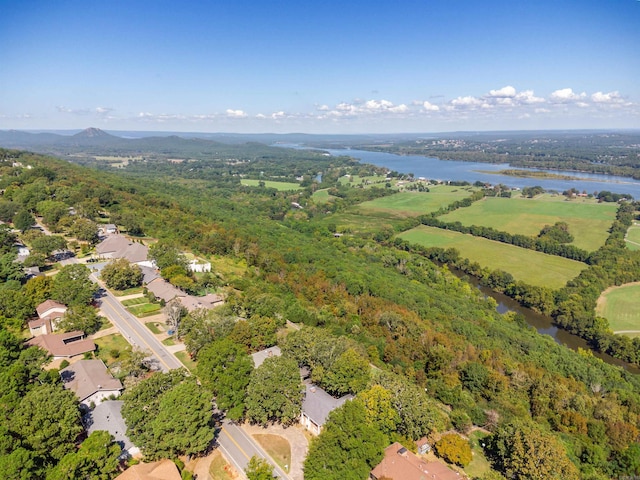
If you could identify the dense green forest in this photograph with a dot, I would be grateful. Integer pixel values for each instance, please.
(428, 333)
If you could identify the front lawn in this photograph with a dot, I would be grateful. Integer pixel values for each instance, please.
(277, 448)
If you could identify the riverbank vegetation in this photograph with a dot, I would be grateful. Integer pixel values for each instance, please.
(439, 347)
(611, 153)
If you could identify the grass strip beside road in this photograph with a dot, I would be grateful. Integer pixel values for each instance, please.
(220, 469)
(277, 448)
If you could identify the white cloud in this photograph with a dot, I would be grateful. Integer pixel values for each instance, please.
(504, 92)
(430, 107)
(527, 97)
(235, 113)
(467, 101)
(611, 97)
(566, 95)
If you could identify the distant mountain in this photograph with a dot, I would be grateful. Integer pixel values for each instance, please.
(93, 132)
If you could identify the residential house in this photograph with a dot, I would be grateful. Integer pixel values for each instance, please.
(192, 303)
(262, 355)
(90, 381)
(316, 406)
(108, 417)
(119, 246)
(49, 314)
(63, 345)
(108, 229)
(163, 290)
(199, 267)
(401, 464)
(160, 470)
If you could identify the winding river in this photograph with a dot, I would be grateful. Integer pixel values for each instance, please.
(436, 169)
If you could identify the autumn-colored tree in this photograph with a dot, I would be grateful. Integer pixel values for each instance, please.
(378, 404)
(523, 451)
(454, 449)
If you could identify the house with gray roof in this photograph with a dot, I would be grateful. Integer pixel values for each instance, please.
(108, 417)
(91, 382)
(316, 407)
(262, 355)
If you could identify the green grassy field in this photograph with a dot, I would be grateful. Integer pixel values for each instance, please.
(529, 266)
(355, 223)
(411, 204)
(356, 180)
(588, 220)
(479, 466)
(271, 184)
(108, 344)
(621, 306)
(633, 237)
(322, 196)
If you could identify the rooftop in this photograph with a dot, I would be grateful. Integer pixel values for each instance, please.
(108, 416)
(160, 470)
(262, 355)
(48, 305)
(317, 404)
(86, 377)
(67, 344)
(401, 464)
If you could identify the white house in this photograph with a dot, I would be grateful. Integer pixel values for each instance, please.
(199, 267)
(49, 314)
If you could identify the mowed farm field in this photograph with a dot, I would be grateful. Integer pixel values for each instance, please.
(412, 204)
(529, 266)
(588, 220)
(621, 306)
(271, 184)
(633, 237)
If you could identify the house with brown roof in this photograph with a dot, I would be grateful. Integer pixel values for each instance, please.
(90, 381)
(49, 314)
(63, 345)
(160, 470)
(316, 407)
(401, 464)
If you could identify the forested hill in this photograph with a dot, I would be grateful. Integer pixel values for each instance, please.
(405, 314)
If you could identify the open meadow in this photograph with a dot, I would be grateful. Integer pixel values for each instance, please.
(621, 306)
(355, 223)
(633, 237)
(282, 186)
(532, 267)
(588, 220)
(412, 204)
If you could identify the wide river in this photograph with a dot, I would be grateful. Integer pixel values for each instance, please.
(435, 169)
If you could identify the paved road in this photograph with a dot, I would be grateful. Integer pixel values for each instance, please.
(137, 334)
(238, 447)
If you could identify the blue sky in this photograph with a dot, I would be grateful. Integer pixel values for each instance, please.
(320, 67)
